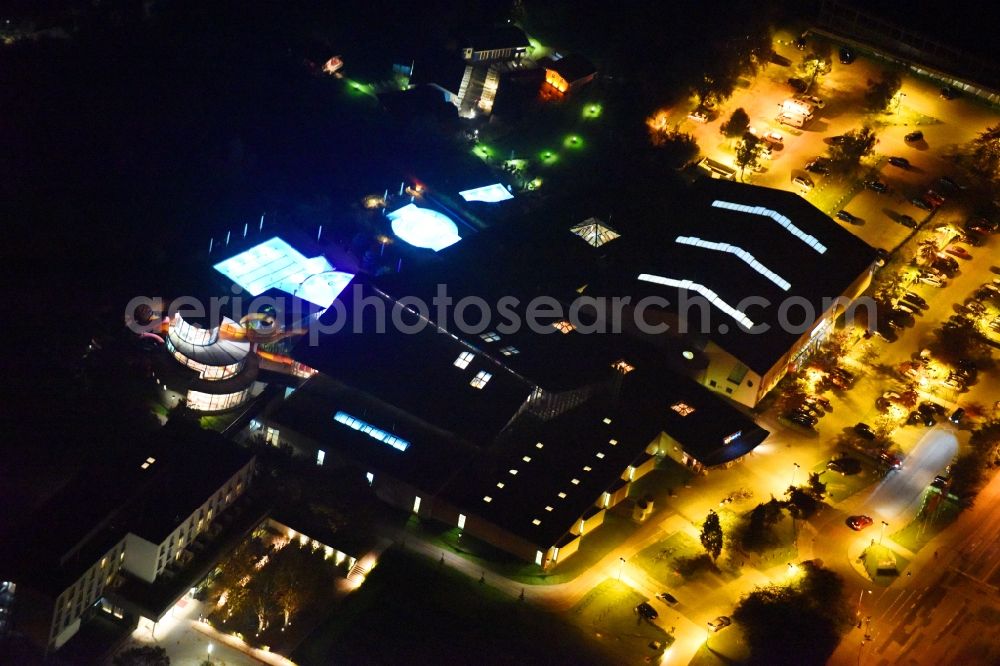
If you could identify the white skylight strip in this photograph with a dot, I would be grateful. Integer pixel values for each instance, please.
(739, 252)
(375, 433)
(712, 297)
(811, 241)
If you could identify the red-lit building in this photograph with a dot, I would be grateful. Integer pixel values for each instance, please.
(569, 73)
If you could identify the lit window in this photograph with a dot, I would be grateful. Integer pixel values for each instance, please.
(586, 468)
(562, 495)
(732, 438)
(151, 460)
(575, 482)
(481, 379)
(682, 408)
(613, 442)
(526, 458)
(487, 499)
(320, 456)
(144, 465)
(461, 521)
(538, 445)
(513, 472)
(500, 484)
(509, 351)
(548, 508)
(416, 504)
(623, 366)
(463, 360)
(368, 475)
(563, 326)
(600, 455)
(607, 421)
(739, 252)
(536, 521)
(489, 336)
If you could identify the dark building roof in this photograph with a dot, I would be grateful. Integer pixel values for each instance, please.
(813, 256)
(583, 453)
(572, 67)
(413, 371)
(429, 461)
(112, 497)
(499, 37)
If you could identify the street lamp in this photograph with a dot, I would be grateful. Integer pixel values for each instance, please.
(210, 648)
(858, 612)
(880, 536)
(621, 565)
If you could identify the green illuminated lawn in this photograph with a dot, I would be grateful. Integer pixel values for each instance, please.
(839, 487)
(928, 524)
(875, 556)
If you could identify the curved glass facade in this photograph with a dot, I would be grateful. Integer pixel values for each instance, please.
(194, 335)
(209, 372)
(211, 402)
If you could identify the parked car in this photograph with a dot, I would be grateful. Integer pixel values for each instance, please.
(933, 280)
(891, 460)
(858, 523)
(901, 162)
(667, 598)
(646, 611)
(837, 140)
(914, 298)
(876, 186)
(950, 183)
(816, 166)
(914, 137)
(812, 99)
(800, 42)
(933, 198)
(798, 85)
(881, 256)
(929, 407)
(865, 431)
(720, 623)
(921, 204)
(905, 307)
(957, 416)
(958, 251)
(804, 182)
(802, 419)
(846, 56)
(907, 221)
(844, 466)
(971, 237)
(698, 116)
(844, 216)
(948, 93)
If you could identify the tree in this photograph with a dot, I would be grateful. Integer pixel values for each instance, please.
(986, 153)
(711, 535)
(801, 503)
(748, 153)
(675, 148)
(737, 124)
(146, 655)
(881, 91)
(927, 250)
(795, 624)
(816, 487)
(856, 144)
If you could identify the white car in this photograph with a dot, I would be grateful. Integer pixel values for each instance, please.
(698, 116)
(932, 280)
(803, 182)
(772, 137)
(812, 99)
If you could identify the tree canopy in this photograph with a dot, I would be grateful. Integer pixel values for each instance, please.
(881, 90)
(748, 153)
(737, 124)
(711, 535)
(855, 145)
(144, 655)
(795, 624)
(986, 153)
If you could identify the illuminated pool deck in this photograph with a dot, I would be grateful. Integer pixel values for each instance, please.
(489, 194)
(423, 227)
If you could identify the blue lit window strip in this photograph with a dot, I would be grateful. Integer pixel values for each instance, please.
(712, 297)
(375, 433)
(777, 217)
(739, 252)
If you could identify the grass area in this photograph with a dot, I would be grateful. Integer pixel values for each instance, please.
(412, 610)
(878, 558)
(935, 515)
(839, 487)
(664, 561)
(595, 545)
(726, 647)
(217, 422)
(607, 614)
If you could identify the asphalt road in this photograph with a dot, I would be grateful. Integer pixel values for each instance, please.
(896, 499)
